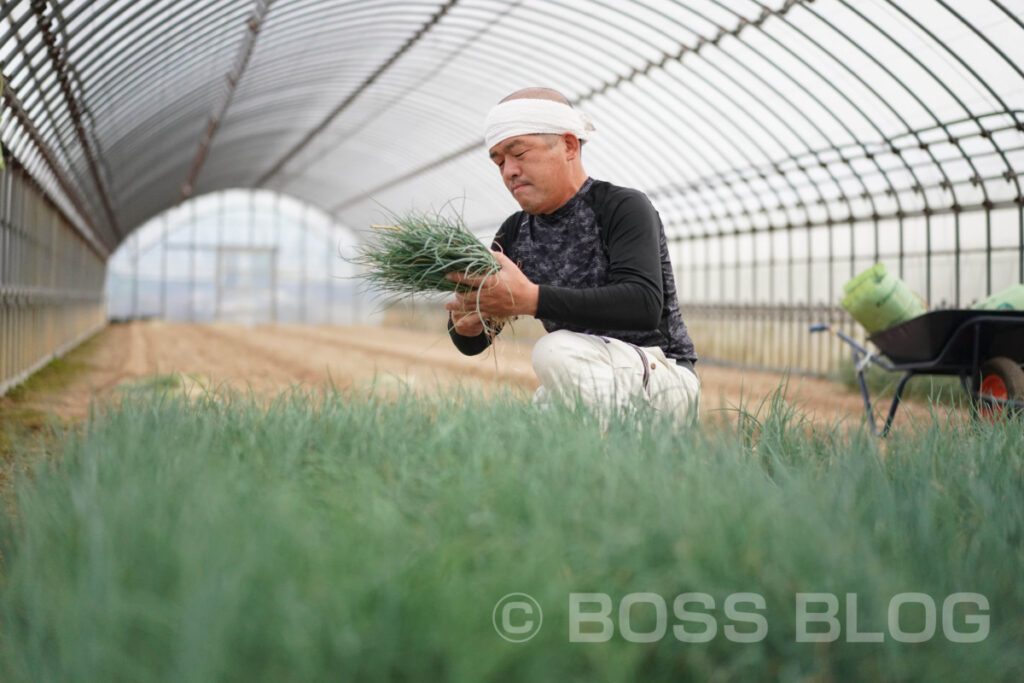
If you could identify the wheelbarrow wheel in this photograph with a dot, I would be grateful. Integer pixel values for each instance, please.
(1001, 378)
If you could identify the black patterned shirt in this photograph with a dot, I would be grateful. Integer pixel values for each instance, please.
(602, 263)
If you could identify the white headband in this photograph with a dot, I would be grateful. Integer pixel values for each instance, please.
(532, 117)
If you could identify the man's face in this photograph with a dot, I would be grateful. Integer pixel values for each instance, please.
(536, 170)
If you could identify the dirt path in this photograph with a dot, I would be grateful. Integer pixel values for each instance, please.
(269, 359)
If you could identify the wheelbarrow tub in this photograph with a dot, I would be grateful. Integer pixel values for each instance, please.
(943, 341)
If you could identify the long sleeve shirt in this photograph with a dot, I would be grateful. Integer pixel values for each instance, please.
(602, 265)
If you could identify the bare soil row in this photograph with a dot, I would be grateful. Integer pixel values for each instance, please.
(268, 359)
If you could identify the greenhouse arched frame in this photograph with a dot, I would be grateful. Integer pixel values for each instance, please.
(787, 144)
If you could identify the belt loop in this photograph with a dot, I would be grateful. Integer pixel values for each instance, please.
(647, 369)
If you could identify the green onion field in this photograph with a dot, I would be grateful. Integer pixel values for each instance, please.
(368, 538)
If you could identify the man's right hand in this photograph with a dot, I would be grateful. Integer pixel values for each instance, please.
(467, 324)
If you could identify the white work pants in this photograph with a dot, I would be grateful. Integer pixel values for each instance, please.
(608, 373)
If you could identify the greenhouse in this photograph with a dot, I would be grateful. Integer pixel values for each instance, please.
(185, 193)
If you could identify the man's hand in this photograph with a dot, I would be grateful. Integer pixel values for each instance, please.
(504, 294)
(467, 324)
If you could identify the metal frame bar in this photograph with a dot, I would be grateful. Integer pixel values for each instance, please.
(59, 60)
(233, 77)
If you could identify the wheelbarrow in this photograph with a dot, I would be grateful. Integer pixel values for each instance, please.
(984, 348)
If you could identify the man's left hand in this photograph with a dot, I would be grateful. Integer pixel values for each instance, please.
(504, 294)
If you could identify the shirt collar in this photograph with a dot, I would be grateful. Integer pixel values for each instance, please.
(569, 207)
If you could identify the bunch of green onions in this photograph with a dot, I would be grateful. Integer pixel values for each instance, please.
(415, 253)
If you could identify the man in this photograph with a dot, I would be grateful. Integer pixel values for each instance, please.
(589, 259)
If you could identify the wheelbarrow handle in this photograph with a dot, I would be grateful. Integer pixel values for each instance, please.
(825, 327)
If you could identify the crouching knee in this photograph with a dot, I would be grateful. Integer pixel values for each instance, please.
(555, 354)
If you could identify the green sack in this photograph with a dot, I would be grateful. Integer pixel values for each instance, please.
(1010, 299)
(877, 299)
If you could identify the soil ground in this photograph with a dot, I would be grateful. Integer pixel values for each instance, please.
(270, 358)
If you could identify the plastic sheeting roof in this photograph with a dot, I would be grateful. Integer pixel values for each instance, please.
(732, 114)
